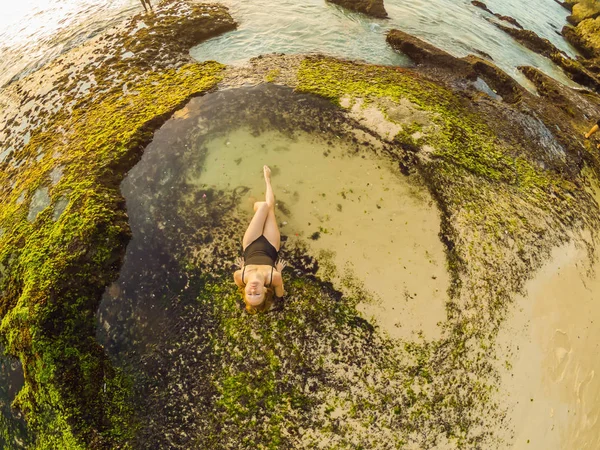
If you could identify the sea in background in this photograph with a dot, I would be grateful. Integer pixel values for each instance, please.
(34, 32)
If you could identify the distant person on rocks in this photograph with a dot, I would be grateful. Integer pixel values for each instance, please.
(259, 277)
(593, 130)
(146, 2)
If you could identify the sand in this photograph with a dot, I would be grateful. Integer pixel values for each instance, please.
(552, 390)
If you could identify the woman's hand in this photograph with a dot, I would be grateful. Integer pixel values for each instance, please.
(239, 262)
(281, 264)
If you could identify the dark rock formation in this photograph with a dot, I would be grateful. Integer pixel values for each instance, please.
(577, 71)
(481, 5)
(497, 79)
(531, 40)
(373, 8)
(574, 69)
(574, 37)
(422, 52)
(508, 19)
(568, 100)
(470, 67)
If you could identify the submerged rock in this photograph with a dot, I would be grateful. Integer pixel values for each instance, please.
(508, 19)
(373, 8)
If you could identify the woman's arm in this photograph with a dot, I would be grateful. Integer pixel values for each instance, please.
(278, 279)
(278, 284)
(237, 277)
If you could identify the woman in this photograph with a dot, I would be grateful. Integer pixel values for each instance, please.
(259, 277)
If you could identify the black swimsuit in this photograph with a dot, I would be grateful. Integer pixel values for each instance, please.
(262, 253)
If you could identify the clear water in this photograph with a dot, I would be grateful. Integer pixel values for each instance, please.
(33, 32)
(339, 199)
(455, 26)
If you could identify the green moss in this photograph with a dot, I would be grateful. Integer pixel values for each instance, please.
(57, 270)
(272, 75)
(460, 137)
(501, 213)
(464, 145)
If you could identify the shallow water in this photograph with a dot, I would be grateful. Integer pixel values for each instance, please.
(190, 199)
(360, 217)
(317, 26)
(553, 390)
(550, 342)
(35, 32)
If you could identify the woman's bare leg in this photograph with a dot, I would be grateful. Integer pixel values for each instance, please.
(257, 224)
(271, 230)
(269, 196)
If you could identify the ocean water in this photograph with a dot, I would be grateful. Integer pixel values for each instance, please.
(33, 32)
(458, 27)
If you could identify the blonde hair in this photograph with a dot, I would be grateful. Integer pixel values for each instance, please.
(264, 306)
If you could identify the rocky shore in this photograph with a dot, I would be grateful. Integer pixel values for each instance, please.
(373, 8)
(506, 168)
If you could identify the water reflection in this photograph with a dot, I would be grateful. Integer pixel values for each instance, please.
(12, 423)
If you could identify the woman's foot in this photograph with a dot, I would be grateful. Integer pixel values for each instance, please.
(267, 173)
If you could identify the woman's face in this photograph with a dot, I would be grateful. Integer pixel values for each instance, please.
(255, 292)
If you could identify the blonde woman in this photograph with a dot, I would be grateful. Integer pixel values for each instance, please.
(259, 277)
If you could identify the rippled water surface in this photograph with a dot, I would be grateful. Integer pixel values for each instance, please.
(33, 32)
(455, 26)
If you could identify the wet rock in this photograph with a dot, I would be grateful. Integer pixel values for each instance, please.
(574, 69)
(469, 67)
(508, 19)
(373, 8)
(531, 40)
(422, 52)
(498, 80)
(481, 5)
(578, 40)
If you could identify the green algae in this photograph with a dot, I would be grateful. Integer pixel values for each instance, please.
(460, 138)
(316, 373)
(57, 270)
(501, 213)
(272, 75)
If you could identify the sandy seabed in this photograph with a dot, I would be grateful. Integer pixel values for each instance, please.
(363, 220)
